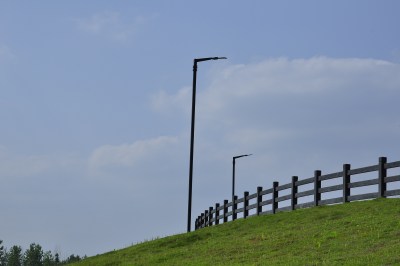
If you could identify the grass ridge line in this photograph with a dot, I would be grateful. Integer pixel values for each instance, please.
(356, 233)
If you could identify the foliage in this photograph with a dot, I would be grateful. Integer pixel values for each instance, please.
(14, 256)
(56, 258)
(48, 259)
(356, 233)
(33, 255)
(72, 259)
(3, 252)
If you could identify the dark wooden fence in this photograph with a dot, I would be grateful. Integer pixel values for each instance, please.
(258, 201)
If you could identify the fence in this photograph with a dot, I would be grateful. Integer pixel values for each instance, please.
(230, 210)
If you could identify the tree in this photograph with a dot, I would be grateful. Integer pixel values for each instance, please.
(48, 259)
(33, 255)
(72, 258)
(14, 257)
(3, 255)
(57, 258)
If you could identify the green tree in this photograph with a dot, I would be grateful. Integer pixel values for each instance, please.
(72, 258)
(48, 259)
(33, 255)
(57, 258)
(3, 255)
(14, 256)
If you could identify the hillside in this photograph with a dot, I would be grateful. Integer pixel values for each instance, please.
(357, 233)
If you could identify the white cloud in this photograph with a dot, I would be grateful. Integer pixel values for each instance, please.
(23, 166)
(111, 25)
(145, 155)
(280, 90)
(167, 103)
(295, 78)
(239, 86)
(16, 166)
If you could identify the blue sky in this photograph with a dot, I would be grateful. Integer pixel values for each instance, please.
(95, 108)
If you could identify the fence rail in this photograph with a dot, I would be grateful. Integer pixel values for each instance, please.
(258, 201)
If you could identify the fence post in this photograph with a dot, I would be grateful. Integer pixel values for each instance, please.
(259, 200)
(225, 211)
(205, 218)
(210, 210)
(234, 208)
(202, 221)
(346, 182)
(216, 213)
(274, 197)
(382, 176)
(317, 186)
(245, 204)
(294, 192)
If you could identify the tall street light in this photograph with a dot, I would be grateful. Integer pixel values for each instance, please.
(196, 60)
(233, 171)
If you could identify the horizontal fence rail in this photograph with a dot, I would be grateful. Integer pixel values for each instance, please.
(261, 199)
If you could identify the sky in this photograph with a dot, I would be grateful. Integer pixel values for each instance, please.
(95, 101)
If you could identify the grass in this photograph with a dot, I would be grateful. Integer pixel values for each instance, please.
(357, 233)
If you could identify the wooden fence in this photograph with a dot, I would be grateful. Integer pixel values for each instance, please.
(259, 202)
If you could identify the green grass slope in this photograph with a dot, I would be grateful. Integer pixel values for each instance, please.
(357, 233)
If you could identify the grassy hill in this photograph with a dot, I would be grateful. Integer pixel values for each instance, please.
(357, 233)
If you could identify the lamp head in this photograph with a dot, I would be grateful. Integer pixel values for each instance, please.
(244, 155)
(208, 58)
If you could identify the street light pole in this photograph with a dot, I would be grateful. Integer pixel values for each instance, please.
(195, 61)
(233, 172)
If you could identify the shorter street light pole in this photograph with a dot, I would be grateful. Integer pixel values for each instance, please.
(233, 172)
